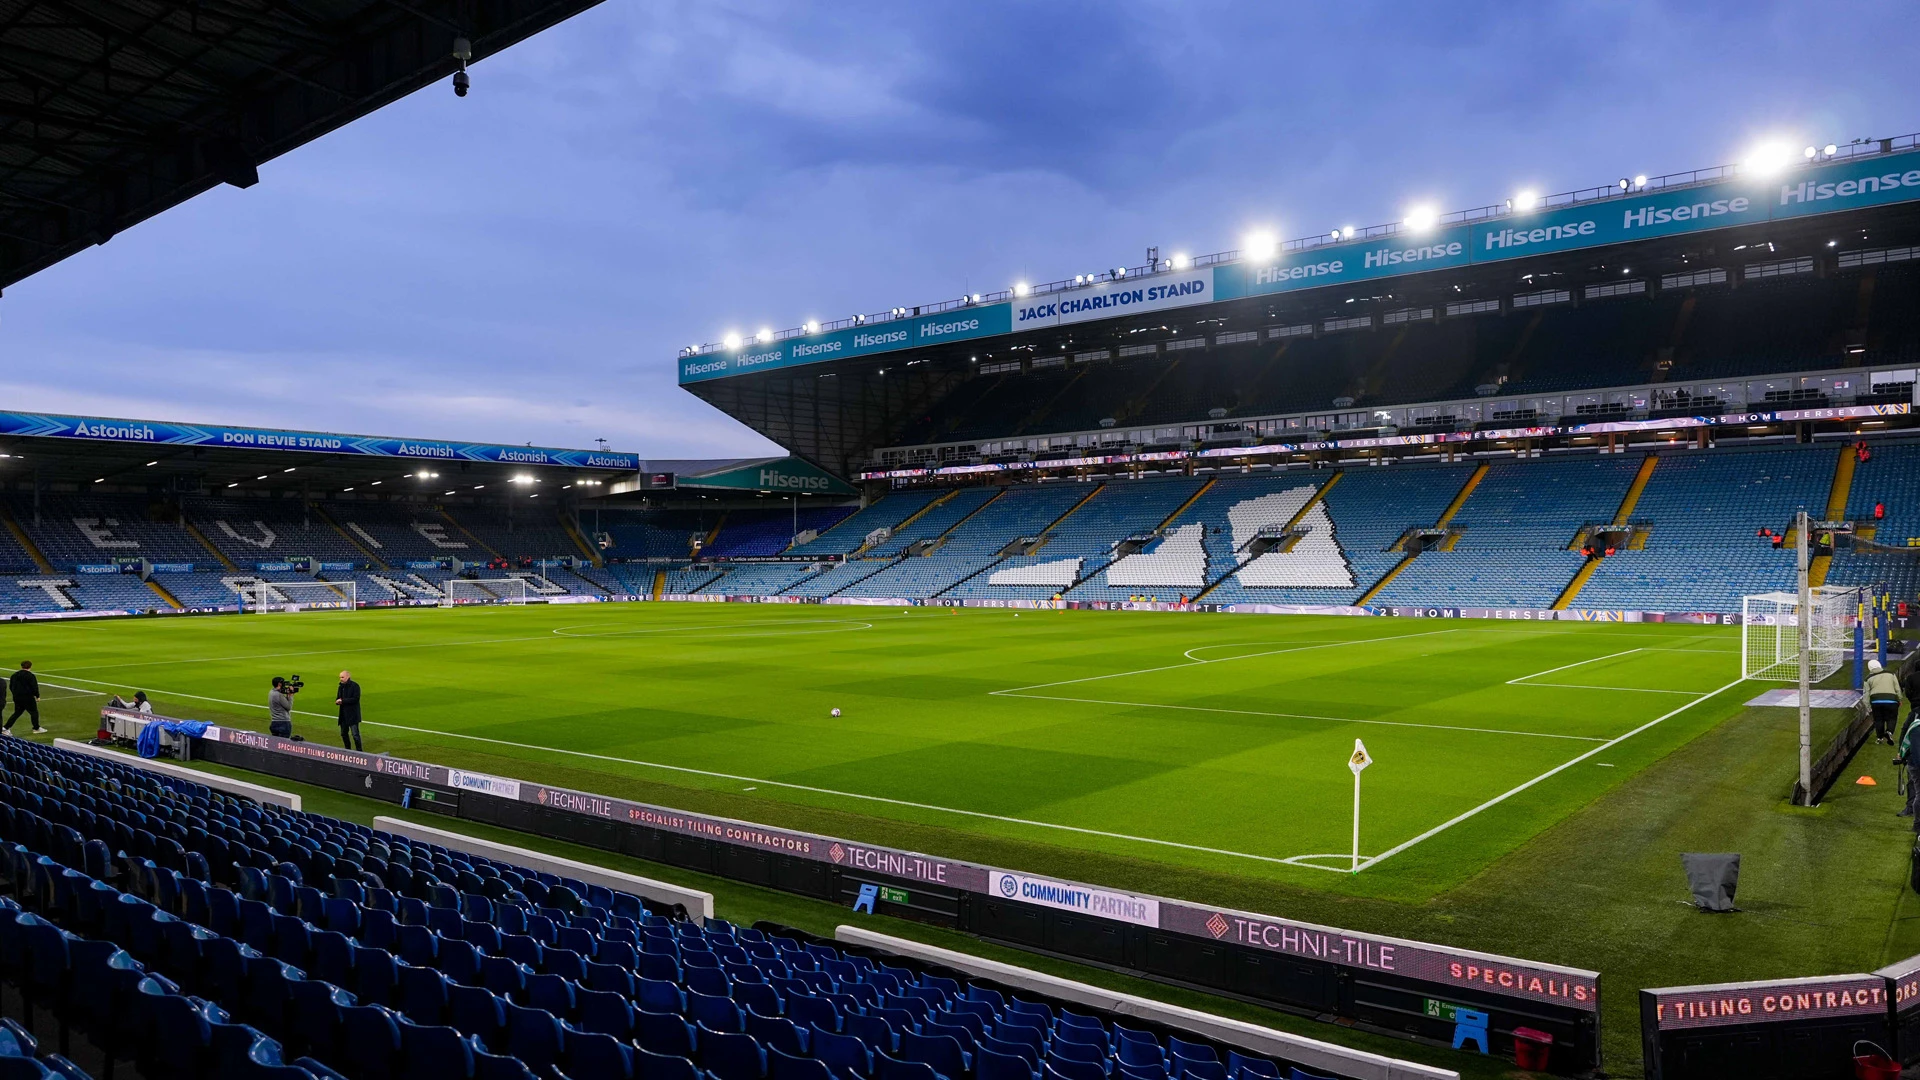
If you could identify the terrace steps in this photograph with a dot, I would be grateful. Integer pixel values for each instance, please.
(1392, 573)
(659, 583)
(491, 554)
(910, 519)
(1045, 535)
(26, 544)
(1819, 567)
(161, 591)
(1299, 516)
(349, 537)
(194, 531)
(1459, 499)
(580, 540)
(1636, 541)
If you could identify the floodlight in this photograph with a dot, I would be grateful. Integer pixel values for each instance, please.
(1421, 218)
(1526, 200)
(1181, 260)
(765, 335)
(1260, 245)
(1346, 232)
(1768, 158)
(1021, 288)
(731, 341)
(813, 326)
(1810, 152)
(1625, 183)
(1830, 149)
(1119, 271)
(1640, 181)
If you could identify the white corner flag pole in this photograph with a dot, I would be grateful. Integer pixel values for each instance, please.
(1358, 763)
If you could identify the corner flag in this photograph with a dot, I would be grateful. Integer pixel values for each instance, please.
(1360, 758)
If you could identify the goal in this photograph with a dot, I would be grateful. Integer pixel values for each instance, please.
(1770, 633)
(459, 592)
(287, 596)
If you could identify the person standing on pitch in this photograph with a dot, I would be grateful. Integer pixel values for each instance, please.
(279, 710)
(1883, 696)
(349, 702)
(26, 697)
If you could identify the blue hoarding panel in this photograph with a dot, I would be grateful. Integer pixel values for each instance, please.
(161, 433)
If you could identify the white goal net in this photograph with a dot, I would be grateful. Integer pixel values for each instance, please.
(1770, 634)
(459, 592)
(286, 596)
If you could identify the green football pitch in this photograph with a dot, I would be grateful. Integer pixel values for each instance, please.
(1176, 742)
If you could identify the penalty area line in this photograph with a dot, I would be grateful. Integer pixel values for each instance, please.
(1304, 716)
(1016, 690)
(751, 779)
(1548, 775)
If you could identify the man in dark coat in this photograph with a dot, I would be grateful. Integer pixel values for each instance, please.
(26, 696)
(349, 702)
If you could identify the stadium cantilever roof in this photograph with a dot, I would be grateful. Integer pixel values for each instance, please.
(112, 111)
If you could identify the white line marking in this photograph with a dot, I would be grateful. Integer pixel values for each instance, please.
(1549, 774)
(1577, 663)
(1622, 689)
(753, 779)
(1306, 716)
(1013, 691)
(549, 636)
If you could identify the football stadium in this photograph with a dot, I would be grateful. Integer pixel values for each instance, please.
(1448, 648)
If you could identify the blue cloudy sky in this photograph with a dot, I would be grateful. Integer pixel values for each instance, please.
(523, 264)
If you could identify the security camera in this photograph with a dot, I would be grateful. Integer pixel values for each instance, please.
(463, 52)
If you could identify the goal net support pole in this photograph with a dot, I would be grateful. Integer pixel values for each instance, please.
(1805, 629)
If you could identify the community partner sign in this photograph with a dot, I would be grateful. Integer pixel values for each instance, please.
(1139, 910)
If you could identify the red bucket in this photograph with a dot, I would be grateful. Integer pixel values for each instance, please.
(1532, 1048)
(1873, 1065)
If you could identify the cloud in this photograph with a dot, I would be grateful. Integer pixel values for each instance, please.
(523, 264)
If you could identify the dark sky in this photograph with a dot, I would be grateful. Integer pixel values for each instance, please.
(523, 264)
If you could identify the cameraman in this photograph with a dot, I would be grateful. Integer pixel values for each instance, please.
(280, 709)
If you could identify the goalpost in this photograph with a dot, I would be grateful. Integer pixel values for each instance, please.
(1770, 633)
(460, 592)
(293, 596)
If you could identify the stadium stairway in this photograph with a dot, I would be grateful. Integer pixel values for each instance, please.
(573, 533)
(218, 555)
(910, 519)
(1821, 565)
(1159, 529)
(469, 534)
(659, 583)
(161, 591)
(354, 541)
(1316, 499)
(1046, 535)
(26, 542)
(1459, 500)
(1627, 502)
